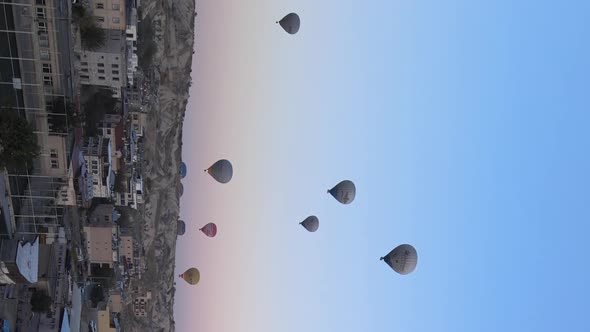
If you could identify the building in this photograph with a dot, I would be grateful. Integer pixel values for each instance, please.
(131, 40)
(109, 14)
(106, 66)
(112, 127)
(138, 122)
(36, 82)
(126, 252)
(115, 302)
(105, 323)
(53, 280)
(97, 158)
(99, 245)
(140, 304)
(19, 262)
(102, 214)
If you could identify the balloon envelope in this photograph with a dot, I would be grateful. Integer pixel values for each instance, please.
(210, 229)
(222, 171)
(344, 192)
(181, 227)
(191, 276)
(183, 170)
(290, 23)
(311, 223)
(403, 259)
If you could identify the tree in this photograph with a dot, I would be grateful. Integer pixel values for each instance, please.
(146, 46)
(62, 115)
(18, 142)
(40, 302)
(121, 182)
(100, 102)
(96, 295)
(92, 35)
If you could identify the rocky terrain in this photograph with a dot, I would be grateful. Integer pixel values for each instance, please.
(155, 222)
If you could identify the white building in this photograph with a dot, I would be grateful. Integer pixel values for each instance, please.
(97, 158)
(107, 65)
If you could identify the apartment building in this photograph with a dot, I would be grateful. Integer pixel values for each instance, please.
(107, 65)
(99, 244)
(35, 77)
(110, 14)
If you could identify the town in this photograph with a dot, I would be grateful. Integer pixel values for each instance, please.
(76, 79)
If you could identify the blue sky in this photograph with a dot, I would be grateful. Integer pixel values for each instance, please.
(465, 126)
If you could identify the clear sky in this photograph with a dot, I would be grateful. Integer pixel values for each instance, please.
(466, 128)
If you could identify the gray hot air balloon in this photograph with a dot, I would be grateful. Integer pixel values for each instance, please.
(311, 223)
(290, 23)
(403, 259)
(344, 192)
(222, 171)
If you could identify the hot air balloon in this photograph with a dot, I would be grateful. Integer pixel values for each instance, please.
(222, 171)
(402, 259)
(191, 276)
(344, 192)
(210, 229)
(290, 23)
(181, 227)
(311, 223)
(183, 170)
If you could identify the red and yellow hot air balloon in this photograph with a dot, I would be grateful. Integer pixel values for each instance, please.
(210, 229)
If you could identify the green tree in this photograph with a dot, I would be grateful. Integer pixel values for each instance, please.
(62, 115)
(40, 302)
(100, 102)
(96, 295)
(92, 35)
(18, 142)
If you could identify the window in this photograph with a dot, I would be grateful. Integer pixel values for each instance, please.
(114, 65)
(43, 39)
(116, 79)
(47, 80)
(53, 153)
(84, 63)
(85, 77)
(101, 78)
(42, 26)
(100, 5)
(108, 131)
(100, 64)
(40, 2)
(115, 72)
(116, 6)
(54, 163)
(101, 71)
(116, 20)
(40, 12)
(44, 54)
(84, 70)
(46, 68)
(99, 18)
